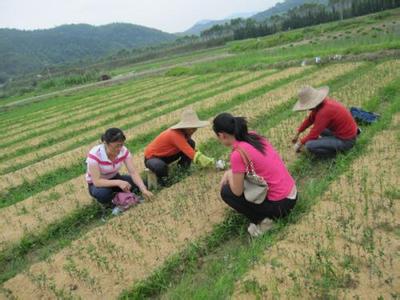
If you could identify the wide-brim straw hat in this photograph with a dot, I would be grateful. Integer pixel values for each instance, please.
(310, 98)
(190, 119)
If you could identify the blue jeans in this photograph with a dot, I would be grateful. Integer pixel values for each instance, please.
(328, 145)
(104, 195)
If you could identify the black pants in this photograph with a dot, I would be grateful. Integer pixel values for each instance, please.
(328, 145)
(257, 212)
(104, 195)
(159, 165)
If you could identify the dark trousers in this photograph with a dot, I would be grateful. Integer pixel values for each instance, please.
(257, 212)
(104, 195)
(328, 145)
(159, 165)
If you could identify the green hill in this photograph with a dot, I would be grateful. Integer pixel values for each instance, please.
(31, 51)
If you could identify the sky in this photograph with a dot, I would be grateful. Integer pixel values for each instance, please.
(167, 15)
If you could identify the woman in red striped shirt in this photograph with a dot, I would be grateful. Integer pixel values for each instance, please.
(103, 164)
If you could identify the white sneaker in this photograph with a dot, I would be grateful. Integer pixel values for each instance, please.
(258, 230)
(116, 211)
(253, 230)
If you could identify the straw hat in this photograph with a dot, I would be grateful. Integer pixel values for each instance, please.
(310, 98)
(190, 119)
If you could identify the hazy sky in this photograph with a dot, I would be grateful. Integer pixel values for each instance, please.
(167, 15)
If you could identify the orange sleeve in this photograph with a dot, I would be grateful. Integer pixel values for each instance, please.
(182, 144)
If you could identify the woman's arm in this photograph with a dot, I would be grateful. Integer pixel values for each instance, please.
(136, 178)
(94, 172)
(182, 144)
(321, 122)
(236, 182)
(307, 122)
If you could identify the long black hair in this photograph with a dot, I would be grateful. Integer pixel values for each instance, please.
(113, 135)
(237, 126)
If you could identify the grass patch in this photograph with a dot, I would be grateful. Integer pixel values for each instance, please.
(37, 247)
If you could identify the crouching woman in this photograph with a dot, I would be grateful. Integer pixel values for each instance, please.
(104, 162)
(282, 193)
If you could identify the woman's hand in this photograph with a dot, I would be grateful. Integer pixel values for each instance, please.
(124, 185)
(298, 147)
(147, 194)
(225, 178)
(296, 138)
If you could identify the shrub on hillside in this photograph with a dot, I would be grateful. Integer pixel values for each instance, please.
(178, 71)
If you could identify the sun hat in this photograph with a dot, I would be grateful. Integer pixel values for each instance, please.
(310, 98)
(189, 119)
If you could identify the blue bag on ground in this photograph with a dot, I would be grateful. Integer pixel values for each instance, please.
(363, 116)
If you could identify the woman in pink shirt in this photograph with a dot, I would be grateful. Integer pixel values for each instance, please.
(282, 193)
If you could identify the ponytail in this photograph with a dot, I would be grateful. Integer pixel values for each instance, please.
(237, 126)
(240, 130)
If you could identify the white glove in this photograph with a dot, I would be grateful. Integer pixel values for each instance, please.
(220, 165)
(297, 147)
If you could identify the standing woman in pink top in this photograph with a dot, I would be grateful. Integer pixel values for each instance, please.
(282, 193)
(104, 162)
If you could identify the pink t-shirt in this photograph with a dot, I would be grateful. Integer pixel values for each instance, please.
(269, 166)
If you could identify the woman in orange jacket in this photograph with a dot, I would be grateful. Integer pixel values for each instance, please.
(174, 144)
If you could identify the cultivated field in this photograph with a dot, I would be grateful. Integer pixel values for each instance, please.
(342, 241)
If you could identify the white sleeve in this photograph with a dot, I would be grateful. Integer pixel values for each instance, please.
(91, 161)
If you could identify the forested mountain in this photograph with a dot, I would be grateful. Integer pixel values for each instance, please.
(306, 14)
(282, 7)
(30, 51)
(279, 8)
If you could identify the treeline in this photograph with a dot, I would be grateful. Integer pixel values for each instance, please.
(35, 51)
(304, 15)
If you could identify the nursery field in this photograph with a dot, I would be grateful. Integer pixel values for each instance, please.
(342, 240)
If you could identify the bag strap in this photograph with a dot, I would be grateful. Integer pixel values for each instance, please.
(247, 161)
